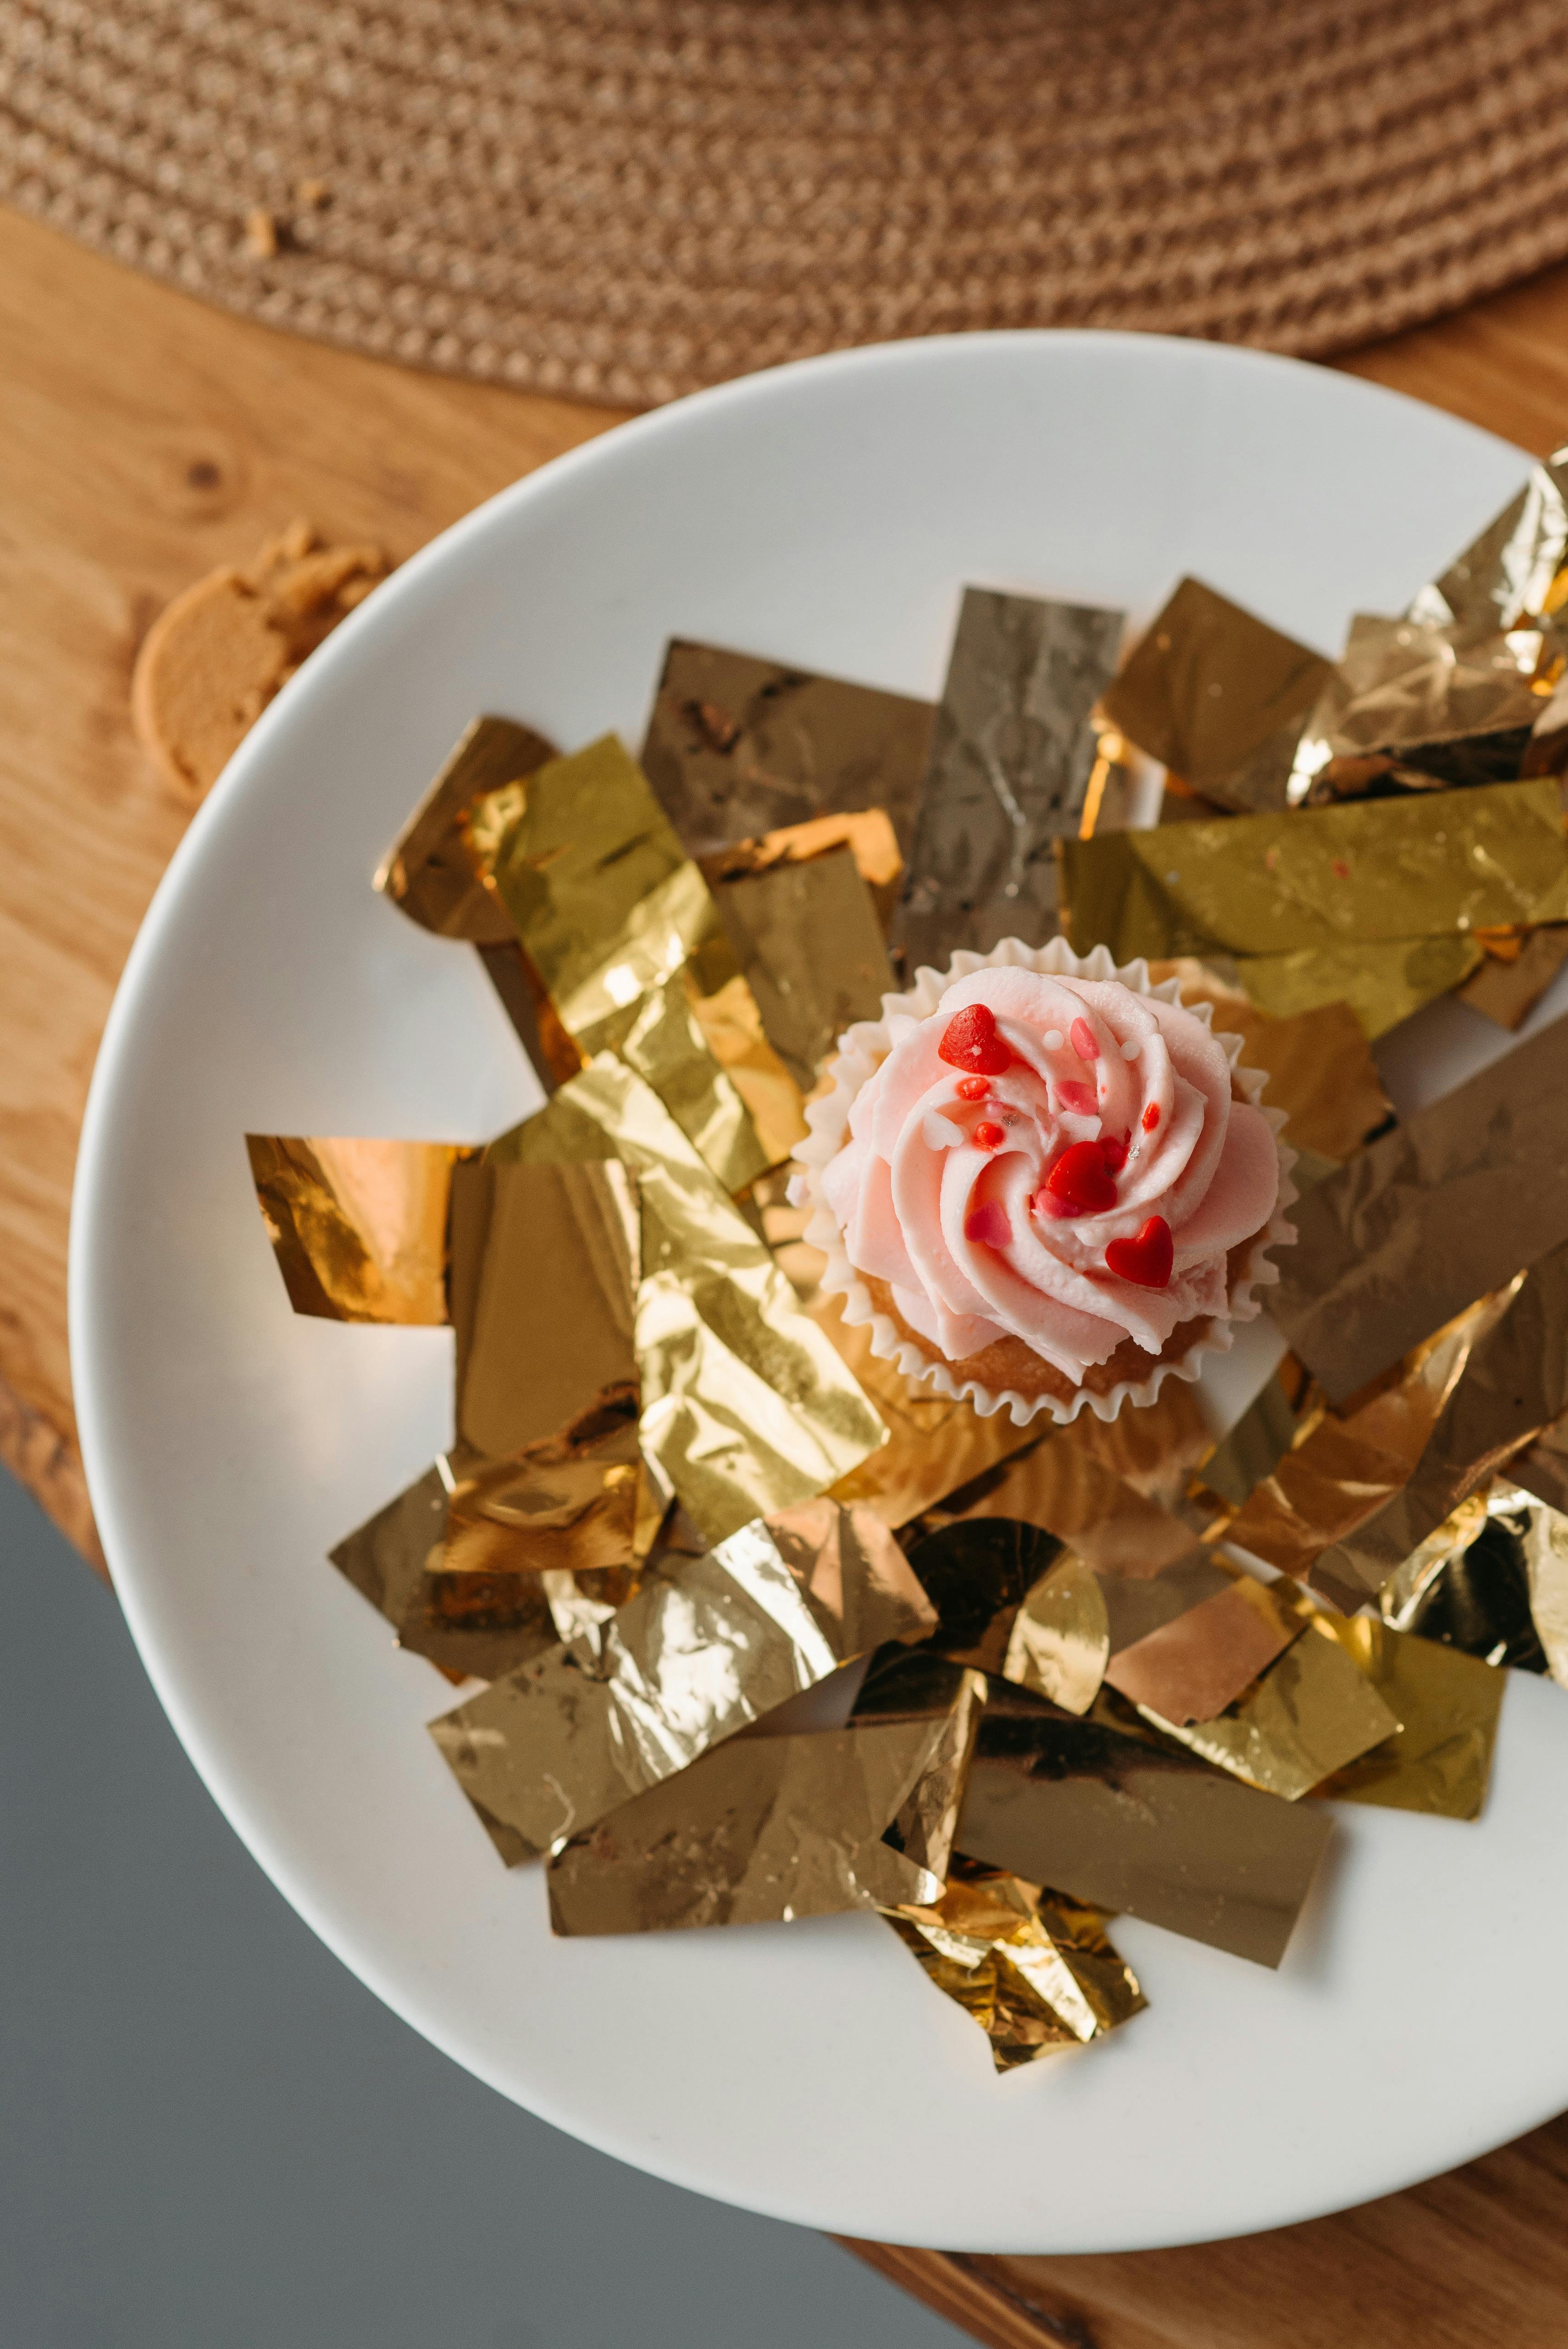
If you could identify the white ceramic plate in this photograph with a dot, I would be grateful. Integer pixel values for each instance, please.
(829, 514)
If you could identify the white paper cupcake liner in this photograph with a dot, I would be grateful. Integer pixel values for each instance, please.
(867, 1044)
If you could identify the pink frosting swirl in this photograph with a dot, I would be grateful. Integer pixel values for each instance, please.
(957, 1188)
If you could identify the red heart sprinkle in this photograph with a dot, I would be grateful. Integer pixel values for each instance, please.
(970, 1042)
(1079, 1098)
(972, 1088)
(988, 1224)
(1080, 1036)
(1115, 1152)
(1082, 1179)
(1146, 1260)
(1151, 1117)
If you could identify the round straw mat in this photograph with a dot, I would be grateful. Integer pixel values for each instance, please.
(625, 199)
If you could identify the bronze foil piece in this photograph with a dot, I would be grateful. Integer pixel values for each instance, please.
(747, 1407)
(1412, 707)
(1062, 1482)
(1313, 1711)
(553, 1748)
(1191, 1668)
(565, 1502)
(358, 1226)
(1060, 1639)
(1408, 1232)
(1472, 1583)
(429, 873)
(1514, 571)
(1448, 1703)
(1217, 695)
(763, 1828)
(1011, 759)
(810, 946)
(1033, 1967)
(1133, 1821)
(867, 833)
(737, 747)
(977, 1574)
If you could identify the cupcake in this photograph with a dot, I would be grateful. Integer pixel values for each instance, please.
(1044, 1182)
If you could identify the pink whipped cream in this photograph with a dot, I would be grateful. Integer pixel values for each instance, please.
(1059, 1160)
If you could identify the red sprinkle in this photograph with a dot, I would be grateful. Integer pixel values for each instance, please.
(970, 1042)
(989, 1136)
(1081, 1179)
(972, 1088)
(1150, 1120)
(1080, 1036)
(1077, 1097)
(1115, 1152)
(988, 1224)
(1146, 1260)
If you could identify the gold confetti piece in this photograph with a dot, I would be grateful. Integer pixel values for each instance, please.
(1317, 1064)
(1283, 1413)
(738, 748)
(358, 1226)
(868, 833)
(1064, 1485)
(1191, 1668)
(1448, 1703)
(1011, 758)
(553, 1748)
(764, 1828)
(809, 946)
(747, 1407)
(545, 1267)
(1514, 571)
(1312, 1712)
(1060, 1638)
(1216, 694)
(922, 1828)
(1420, 708)
(1305, 898)
(568, 1501)
(1138, 1604)
(1409, 1232)
(625, 933)
(1133, 1822)
(1546, 1566)
(977, 1574)
(730, 1020)
(1470, 1584)
(1033, 1967)
(428, 872)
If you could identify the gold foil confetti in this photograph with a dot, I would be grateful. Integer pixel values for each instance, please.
(922, 1828)
(358, 1226)
(1060, 1639)
(1312, 1712)
(1374, 902)
(763, 1828)
(737, 748)
(747, 1407)
(977, 1574)
(1514, 571)
(1472, 1584)
(626, 934)
(1217, 695)
(1448, 1703)
(1546, 1565)
(1191, 1668)
(1415, 1227)
(1416, 708)
(564, 1502)
(1061, 1484)
(553, 1748)
(810, 946)
(428, 872)
(1133, 1822)
(1011, 759)
(1033, 1967)
(867, 833)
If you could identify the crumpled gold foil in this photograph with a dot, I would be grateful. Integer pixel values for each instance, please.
(1218, 696)
(810, 946)
(763, 1828)
(1192, 1667)
(569, 1501)
(1062, 1483)
(1515, 570)
(1451, 1205)
(977, 1574)
(1472, 1584)
(1011, 758)
(1545, 1540)
(1131, 1821)
(1448, 1703)
(1033, 1967)
(358, 1226)
(551, 1749)
(867, 833)
(738, 747)
(1060, 1639)
(1412, 707)
(747, 1407)
(1375, 901)
(1312, 1712)
(1319, 1069)
(428, 872)
(626, 933)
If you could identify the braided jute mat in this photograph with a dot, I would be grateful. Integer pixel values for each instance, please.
(622, 200)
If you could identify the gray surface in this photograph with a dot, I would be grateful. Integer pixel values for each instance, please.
(213, 2138)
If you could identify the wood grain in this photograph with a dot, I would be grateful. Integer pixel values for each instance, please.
(145, 439)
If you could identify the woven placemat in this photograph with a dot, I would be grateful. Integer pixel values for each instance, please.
(625, 199)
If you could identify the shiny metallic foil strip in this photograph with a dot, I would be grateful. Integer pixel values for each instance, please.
(738, 747)
(1059, 1644)
(978, 1576)
(626, 933)
(1373, 902)
(1312, 1712)
(1033, 1967)
(1218, 696)
(747, 1407)
(429, 873)
(1412, 707)
(1447, 1704)
(1516, 570)
(867, 833)
(553, 1748)
(1011, 759)
(764, 1828)
(566, 1502)
(358, 1226)
(1319, 1067)
(1473, 1583)
(1408, 1232)
(1191, 1668)
(1061, 1482)
(1131, 1822)
(810, 946)
(545, 1261)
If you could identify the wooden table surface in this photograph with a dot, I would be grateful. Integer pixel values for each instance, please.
(145, 439)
